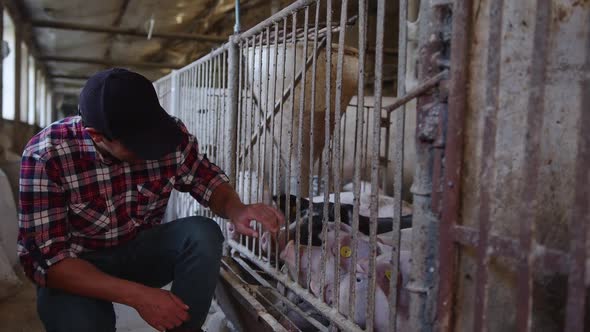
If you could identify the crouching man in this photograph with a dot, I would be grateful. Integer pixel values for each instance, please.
(93, 191)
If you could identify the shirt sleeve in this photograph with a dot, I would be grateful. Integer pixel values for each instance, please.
(43, 231)
(197, 174)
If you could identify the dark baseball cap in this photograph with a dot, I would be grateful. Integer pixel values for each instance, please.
(123, 105)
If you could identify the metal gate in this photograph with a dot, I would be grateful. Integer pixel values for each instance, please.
(321, 93)
(310, 114)
(507, 261)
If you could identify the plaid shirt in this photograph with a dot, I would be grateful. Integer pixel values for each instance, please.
(73, 199)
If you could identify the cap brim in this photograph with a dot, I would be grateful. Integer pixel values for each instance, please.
(157, 140)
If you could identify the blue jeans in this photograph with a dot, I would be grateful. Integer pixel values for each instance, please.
(186, 251)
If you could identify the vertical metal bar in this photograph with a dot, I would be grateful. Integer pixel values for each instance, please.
(290, 137)
(202, 112)
(200, 95)
(336, 158)
(237, 17)
(252, 123)
(375, 162)
(205, 123)
(225, 119)
(343, 149)
(174, 93)
(398, 168)
(536, 105)
(264, 123)
(235, 61)
(311, 137)
(326, 154)
(243, 60)
(300, 145)
(257, 123)
(281, 111)
(580, 218)
(488, 163)
(211, 111)
(462, 26)
(358, 150)
(261, 123)
(194, 103)
(274, 182)
(182, 116)
(216, 116)
(188, 100)
(365, 149)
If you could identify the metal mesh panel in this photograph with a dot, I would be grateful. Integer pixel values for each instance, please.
(198, 95)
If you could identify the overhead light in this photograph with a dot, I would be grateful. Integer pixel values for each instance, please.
(181, 4)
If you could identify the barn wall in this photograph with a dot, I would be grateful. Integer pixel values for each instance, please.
(569, 31)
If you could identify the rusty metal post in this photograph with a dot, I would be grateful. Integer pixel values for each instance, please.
(532, 157)
(577, 286)
(453, 159)
(431, 108)
(488, 162)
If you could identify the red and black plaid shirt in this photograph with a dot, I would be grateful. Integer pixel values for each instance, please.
(73, 199)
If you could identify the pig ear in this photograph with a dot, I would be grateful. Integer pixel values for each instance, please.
(287, 249)
(314, 288)
(345, 227)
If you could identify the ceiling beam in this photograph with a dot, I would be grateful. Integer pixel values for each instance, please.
(67, 90)
(127, 32)
(70, 77)
(107, 62)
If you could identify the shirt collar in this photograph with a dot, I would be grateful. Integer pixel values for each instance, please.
(87, 148)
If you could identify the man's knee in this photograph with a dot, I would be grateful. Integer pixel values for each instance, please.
(63, 312)
(202, 232)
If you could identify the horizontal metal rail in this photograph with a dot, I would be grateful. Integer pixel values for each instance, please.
(279, 16)
(214, 53)
(419, 90)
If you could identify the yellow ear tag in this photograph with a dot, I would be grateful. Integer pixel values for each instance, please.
(345, 251)
(388, 274)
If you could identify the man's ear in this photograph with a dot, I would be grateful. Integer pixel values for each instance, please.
(95, 135)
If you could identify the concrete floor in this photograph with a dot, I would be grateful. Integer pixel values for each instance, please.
(18, 313)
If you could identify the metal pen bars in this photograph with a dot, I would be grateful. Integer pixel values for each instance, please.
(291, 79)
(275, 108)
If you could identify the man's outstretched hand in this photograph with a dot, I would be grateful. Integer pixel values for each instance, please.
(270, 218)
(226, 203)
